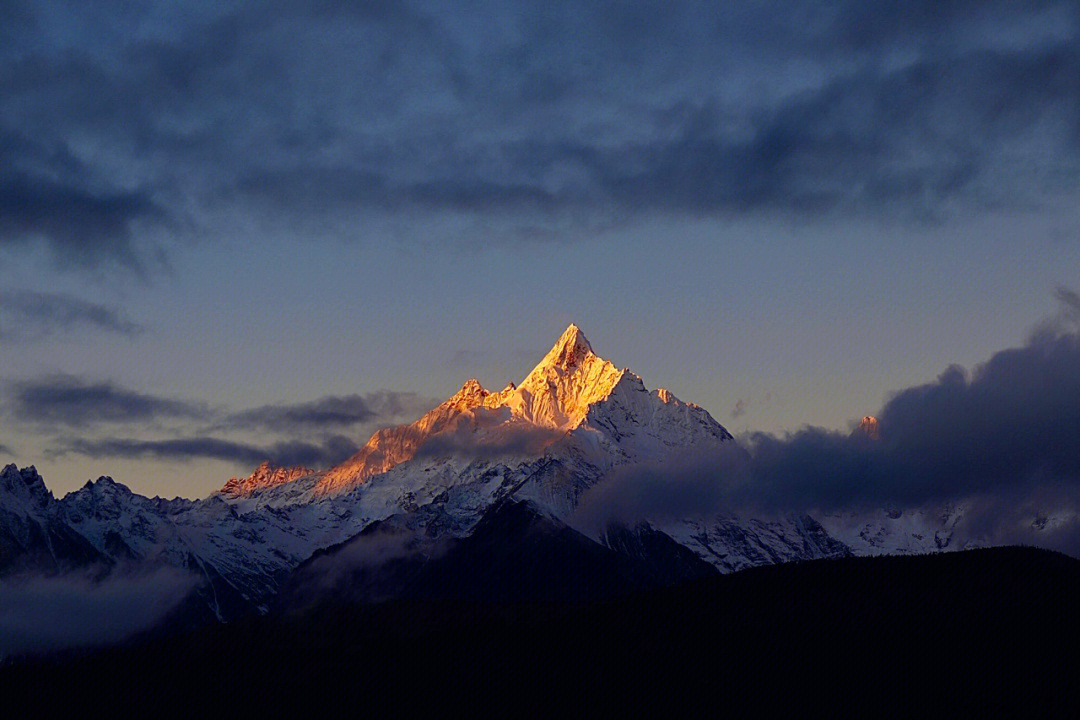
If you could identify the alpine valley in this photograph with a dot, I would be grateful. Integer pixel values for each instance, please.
(492, 495)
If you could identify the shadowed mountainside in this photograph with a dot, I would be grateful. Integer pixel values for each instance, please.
(945, 633)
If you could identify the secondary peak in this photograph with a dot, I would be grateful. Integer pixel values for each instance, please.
(471, 394)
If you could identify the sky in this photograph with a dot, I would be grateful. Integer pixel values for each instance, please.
(248, 230)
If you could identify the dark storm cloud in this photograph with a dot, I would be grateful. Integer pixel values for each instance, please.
(525, 111)
(1002, 439)
(46, 194)
(16, 22)
(33, 314)
(1010, 425)
(66, 400)
(911, 139)
(81, 227)
(5, 450)
(329, 451)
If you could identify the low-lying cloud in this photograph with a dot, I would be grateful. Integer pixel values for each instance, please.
(489, 433)
(310, 433)
(40, 614)
(33, 314)
(327, 452)
(1001, 439)
(375, 565)
(1010, 424)
(693, 485)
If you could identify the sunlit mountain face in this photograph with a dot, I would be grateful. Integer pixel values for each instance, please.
(282, 278)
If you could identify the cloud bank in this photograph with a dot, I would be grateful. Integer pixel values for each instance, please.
(102, 419)
(70, 401)
(542, 116)
(330, 412)
(1002, 439)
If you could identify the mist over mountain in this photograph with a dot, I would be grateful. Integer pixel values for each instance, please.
(578, 483)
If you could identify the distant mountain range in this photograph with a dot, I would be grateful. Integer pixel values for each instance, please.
(483, 496)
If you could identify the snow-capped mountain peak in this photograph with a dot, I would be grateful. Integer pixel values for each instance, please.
(572, 391)
(25, 485)
(556, 395)
(571, 348)
(570, 378)
(575, 422)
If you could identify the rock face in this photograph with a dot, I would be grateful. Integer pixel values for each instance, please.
(868, 426)
(528, 453)
(265, 476)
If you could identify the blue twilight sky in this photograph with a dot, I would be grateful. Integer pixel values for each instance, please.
(263, 230)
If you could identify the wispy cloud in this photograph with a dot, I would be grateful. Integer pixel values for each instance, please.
(74, 401)
(330, 412)
(67, 400)
(329, 451)
(114, 421)
(32, 314)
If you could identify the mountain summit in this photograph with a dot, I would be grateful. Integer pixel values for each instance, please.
(570, 378)
(572, 397)
(571, 349)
